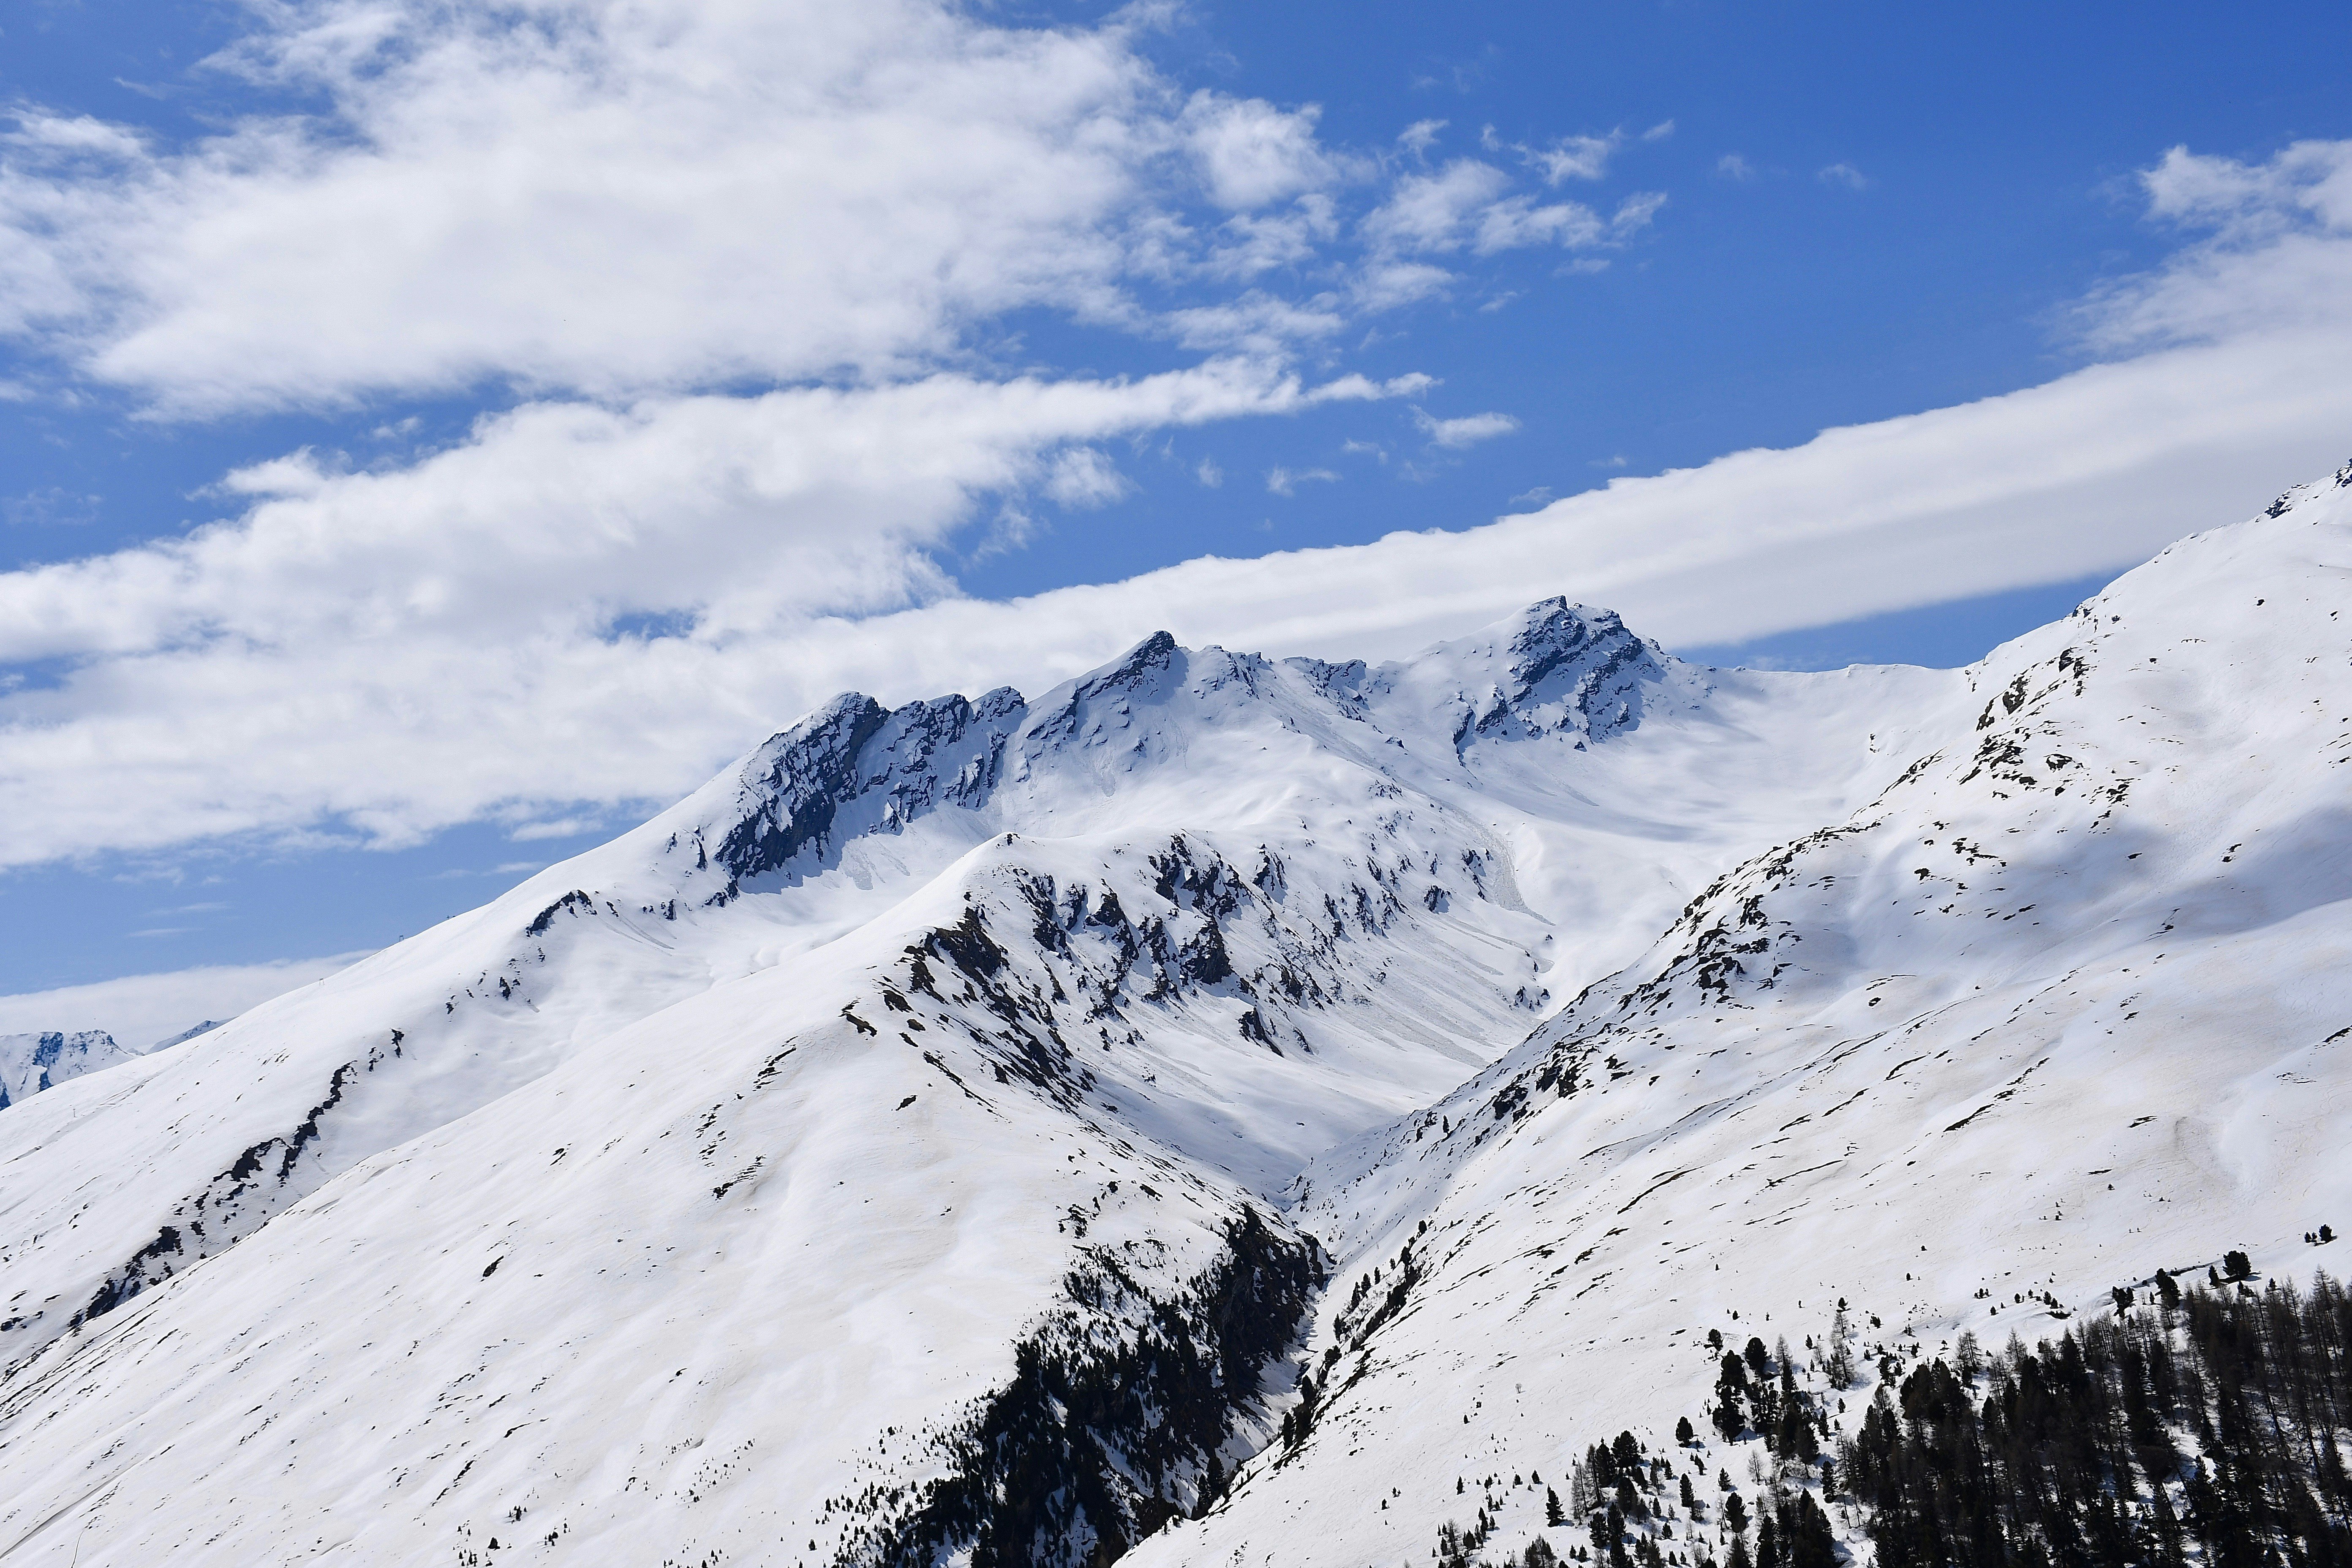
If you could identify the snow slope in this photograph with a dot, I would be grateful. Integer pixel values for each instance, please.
(2070, 1001)
(819, 1138)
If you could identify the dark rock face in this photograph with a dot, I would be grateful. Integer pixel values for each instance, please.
(805, 781)
(1571, 669)
(852, 754)
(1111, 1423)
(236, 1203)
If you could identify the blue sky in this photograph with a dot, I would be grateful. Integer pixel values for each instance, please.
(1214, 282)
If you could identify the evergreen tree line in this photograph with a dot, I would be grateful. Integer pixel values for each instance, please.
(2203, 1427)
(1622, 1496)
(1755, 1392)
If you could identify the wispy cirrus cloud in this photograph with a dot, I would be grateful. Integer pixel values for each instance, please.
(1466, 431)
(1468, 204)
(1285, 481)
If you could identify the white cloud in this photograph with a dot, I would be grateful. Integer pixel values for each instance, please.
(1570, 157)
(1434, 212)
(1466, 431)
(1419, 136)
(1845, 174)
(1732, 166)
(2273, 257)
(1285, 481)
(555, 518)
(50, 507)
(429, 615)
(1516, 221)
(1209, 474)
(1660, 131)
(38, 132)
(1464, 203)
(620, 200)
(1256, 323)
(1083, 477)
(600, 197)
(395, 716)
(556, 828)
(140, 1010)
(1252, 152)
(2309, 181)
(1389, 285)
(1575, 157)
(1248, 245)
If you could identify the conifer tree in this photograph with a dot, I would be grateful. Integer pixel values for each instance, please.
(1838, 1362)
(1731, 1392)
(1806, 1539)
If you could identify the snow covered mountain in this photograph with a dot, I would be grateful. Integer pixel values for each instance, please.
(949, 1133)
(2069, 1002)
(31, 1063)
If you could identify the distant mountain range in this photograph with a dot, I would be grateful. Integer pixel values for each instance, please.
(31, 1063)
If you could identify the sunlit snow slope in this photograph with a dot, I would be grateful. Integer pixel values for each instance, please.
(880, 1154)
(2070, 1002)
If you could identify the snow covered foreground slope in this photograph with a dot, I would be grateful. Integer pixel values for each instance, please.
(874, 1155)
(2070, 1002)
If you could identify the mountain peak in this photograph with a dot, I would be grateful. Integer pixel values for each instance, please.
(1554, 668)
(1553, 634)
(1135, 667)
(31, 1063)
